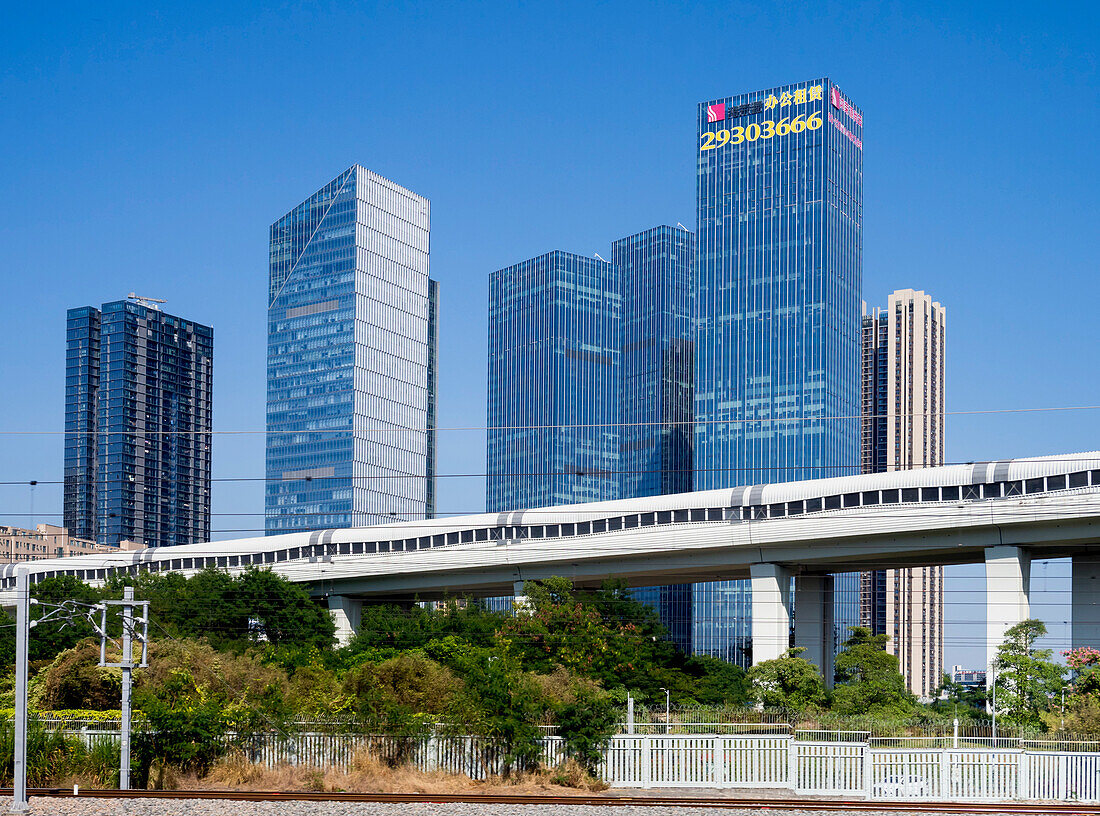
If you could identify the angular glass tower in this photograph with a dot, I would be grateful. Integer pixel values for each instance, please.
(555, 331)
(779, 272)
(351, 361)
(137, 425)
(656, 271)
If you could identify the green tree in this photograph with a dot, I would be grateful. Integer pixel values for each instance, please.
(403, 695)
(50, 639)
(586, 724)
(789, 681)
(386, 629)
(1027, 678)
(185, 729)
(281, 612)
(961, 700)
(606, 636)
(503, 704)
(254, 607)
(199, 703)
(870, 682)
(713, 681)
(75, 680)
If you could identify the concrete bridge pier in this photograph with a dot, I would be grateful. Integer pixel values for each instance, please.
(347, 613)
(1085, 603)
(1007, 595)
(813, 621)
(771, 617)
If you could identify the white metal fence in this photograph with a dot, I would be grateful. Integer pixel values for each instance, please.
(819, 767)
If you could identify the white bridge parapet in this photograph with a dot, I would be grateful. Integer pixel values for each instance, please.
(1001, 513)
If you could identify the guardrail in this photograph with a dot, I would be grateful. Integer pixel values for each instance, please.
(805, 766)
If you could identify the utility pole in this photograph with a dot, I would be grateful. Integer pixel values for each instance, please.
(127, 686)
(22, 632)
(668, 710)
(65, 613)
(131, 627)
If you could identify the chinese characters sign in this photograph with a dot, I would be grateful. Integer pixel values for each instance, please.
(761, 130)
(840, 103)
(790, 120)
(800, 96)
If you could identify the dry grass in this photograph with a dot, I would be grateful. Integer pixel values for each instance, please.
(370, 775)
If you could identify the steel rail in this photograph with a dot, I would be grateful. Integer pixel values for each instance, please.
(787, 803)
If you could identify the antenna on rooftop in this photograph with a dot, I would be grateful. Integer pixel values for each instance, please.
(681, 226)
(599, 256)
(148, 302)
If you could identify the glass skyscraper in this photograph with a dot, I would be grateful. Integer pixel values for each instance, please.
(606, 349)
(779, 273)
(555, 332)
(780, 209)
(137, 425)
(351, 364)
(656, 272)
(658, 363)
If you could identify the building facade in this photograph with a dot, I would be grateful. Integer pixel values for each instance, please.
(656, 273)
(777, 345)
(44, 541)
(780, 257)
(903, 428)
(138, 403)
(555, 334)
(655, 269)
(352, 357)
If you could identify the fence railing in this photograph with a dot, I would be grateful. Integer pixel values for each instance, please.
(812, 767)
(740, 720)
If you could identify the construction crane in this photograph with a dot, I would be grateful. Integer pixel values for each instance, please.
(148, 302)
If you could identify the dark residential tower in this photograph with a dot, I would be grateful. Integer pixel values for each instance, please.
(137, 425)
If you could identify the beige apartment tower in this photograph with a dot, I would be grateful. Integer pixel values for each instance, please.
(902, 428)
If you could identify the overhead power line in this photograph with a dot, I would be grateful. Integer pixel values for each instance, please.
(581, 472)
(557, 426)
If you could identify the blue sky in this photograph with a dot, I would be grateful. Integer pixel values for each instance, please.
(149, 148)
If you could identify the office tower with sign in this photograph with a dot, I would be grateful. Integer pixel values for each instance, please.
(555, 333)
(351, 363)
(656, 272)
(903, 428)
(137, 425)
(779, 273)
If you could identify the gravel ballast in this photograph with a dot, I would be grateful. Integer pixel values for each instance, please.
(46, 806)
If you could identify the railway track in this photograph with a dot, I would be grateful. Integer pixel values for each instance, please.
(1008, 808)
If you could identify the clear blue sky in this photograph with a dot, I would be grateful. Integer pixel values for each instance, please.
(149, 149)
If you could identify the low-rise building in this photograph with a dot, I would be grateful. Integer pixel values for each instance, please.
(44, 541)
(971, 678)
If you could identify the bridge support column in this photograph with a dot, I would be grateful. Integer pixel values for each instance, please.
(346, 614)
(813, 621)
(771, 616)
(1085, 603)
(1007, 591)
(519, 600)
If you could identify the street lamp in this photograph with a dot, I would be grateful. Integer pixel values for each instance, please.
(993, 688)
(667, 707)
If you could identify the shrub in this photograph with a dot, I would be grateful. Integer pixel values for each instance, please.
(74, 680)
